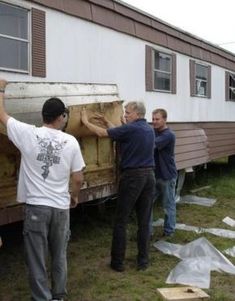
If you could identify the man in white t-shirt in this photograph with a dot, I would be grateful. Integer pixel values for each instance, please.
(48, 158)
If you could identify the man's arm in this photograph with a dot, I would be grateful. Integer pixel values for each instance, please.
(3, 115)
(92, 127)
(163, 140)
(77, 179)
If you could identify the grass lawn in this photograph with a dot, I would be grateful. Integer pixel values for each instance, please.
(89, 275)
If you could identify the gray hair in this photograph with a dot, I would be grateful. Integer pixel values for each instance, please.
(137, 106)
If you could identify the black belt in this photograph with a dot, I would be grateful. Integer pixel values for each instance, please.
(137, 168)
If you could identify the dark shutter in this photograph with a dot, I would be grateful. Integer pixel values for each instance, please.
(148, 68)
(173, 75)
(227, 75)
(38, 43)
(208, 94)
(192, 78)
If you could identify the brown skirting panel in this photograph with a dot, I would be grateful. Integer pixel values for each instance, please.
(191, 145)
(221, 138)
(201, 142)
(11, 214)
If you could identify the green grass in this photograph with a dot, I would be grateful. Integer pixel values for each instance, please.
(89, 275)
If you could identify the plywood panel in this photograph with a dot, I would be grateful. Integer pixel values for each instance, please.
(183, 294)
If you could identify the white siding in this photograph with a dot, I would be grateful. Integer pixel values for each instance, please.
(83, 52)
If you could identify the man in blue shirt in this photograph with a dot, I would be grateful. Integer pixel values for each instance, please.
(137, 181)
(165, 168)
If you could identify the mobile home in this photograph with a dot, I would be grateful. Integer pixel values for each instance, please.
(107, 43)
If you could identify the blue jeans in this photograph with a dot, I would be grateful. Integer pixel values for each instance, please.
(165, 190)
(46, 229)
(136, 191)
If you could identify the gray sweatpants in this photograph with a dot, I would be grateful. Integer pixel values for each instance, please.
(46, 229)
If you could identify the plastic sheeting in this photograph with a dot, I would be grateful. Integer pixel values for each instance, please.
(229, 221)
(193, 199)
(230, 251)
(199, 258)
(216, 231)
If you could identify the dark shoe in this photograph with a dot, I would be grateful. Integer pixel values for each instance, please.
(142, 267)
(117, 267)
(168, 234)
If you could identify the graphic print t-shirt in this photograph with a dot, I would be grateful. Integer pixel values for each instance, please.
(48, 156)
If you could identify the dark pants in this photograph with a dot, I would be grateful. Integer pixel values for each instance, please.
(136, 190)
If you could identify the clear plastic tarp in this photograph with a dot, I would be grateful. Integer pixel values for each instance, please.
(216, 231)
(199, 258)
(230, 251)
(229, 221)
(196, 200)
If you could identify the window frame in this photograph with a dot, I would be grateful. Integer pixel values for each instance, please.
(229, 74)
(194, 79)
(150, 70)
(162, 71)
(28, 40)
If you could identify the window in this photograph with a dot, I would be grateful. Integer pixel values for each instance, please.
(14, 38)
(160, 71)
(230, 86)
(200, 79)
(22, 50)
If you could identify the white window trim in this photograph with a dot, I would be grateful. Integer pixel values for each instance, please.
(231, 87)
(201, 80)
(162, 71)
(19, 4)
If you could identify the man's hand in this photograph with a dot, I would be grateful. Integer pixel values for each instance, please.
(92, 127)
(3, 115)
(101, 119)
(74, 201)
(123, 120)
(3, 84)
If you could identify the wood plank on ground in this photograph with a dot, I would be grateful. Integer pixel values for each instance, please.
(185, 293)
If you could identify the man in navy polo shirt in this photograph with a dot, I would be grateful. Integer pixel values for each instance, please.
(137, 181)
